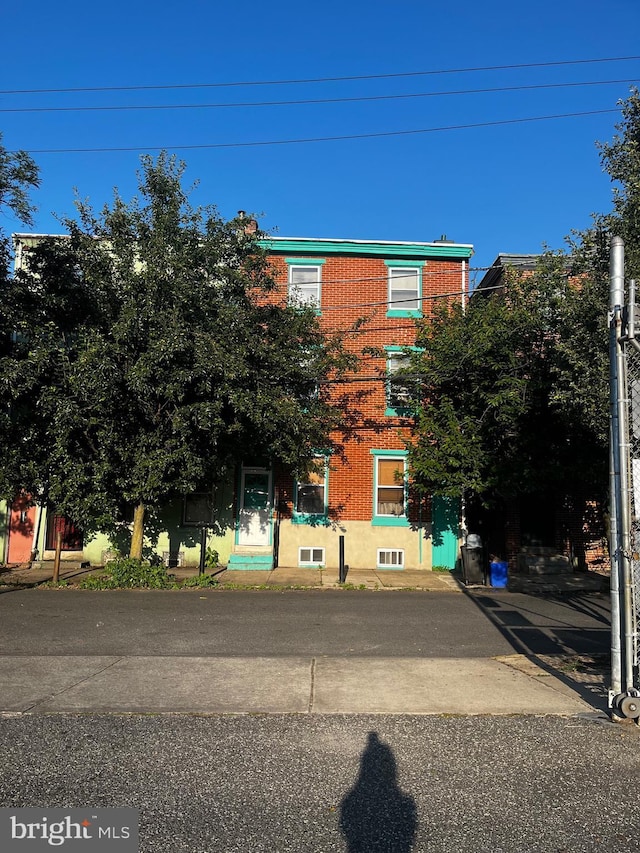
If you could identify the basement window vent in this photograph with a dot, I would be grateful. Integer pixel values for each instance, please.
(390, 558)
(311, 557)
(108, 556)
(173, 559)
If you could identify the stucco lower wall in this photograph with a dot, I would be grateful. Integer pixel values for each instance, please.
(361, 543)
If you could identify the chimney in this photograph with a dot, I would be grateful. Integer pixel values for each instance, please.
(251, 225)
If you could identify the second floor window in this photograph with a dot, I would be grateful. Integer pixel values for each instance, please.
(304, 284)
(311, 493)
(400, 384)
(404, 291)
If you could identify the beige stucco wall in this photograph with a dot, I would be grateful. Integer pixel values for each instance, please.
(361, 542)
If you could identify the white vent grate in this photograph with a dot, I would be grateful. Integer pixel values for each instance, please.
(173, 559)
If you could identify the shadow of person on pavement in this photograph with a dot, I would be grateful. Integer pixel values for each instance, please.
(375, 816)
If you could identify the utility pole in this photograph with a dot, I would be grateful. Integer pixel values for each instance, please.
(624, 697)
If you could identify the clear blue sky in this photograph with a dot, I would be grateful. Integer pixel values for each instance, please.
(504, 188)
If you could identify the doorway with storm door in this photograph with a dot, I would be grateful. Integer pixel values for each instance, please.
(254, 532)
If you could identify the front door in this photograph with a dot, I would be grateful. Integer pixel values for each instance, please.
(254, 514)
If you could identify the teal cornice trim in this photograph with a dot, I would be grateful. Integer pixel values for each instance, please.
(312, 262)
(365, 248)
(405, 263)
(397, 453)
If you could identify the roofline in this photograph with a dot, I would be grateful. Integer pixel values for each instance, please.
(382, 248)
(338, 246)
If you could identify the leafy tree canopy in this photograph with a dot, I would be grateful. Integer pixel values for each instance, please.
(514, 390)
(154, 356)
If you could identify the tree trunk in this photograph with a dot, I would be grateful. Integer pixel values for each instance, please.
(138, 532)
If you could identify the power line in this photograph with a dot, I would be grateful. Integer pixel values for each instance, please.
(311, 101)
(318, 79)
(380, 134)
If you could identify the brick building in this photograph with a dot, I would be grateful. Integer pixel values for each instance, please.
(362, 493)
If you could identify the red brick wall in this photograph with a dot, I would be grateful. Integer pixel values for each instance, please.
(353, 288)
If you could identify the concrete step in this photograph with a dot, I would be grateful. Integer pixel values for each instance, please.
(65, 565)
(250, 562)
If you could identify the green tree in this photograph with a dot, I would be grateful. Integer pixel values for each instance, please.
(488, 420)
(514, 391)
(18, 177)
(166, 357)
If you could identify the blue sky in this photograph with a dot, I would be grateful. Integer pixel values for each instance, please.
(503, 188)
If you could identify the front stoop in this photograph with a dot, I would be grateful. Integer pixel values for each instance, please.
(246, 562)
(542, 561)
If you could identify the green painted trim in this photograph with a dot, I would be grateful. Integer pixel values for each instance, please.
(396, 312)
(310, 262)
(403, 453)
(398, 348)
(318, 520)
(375, 249)
(405, 263)
(398, 413)
(389, 521)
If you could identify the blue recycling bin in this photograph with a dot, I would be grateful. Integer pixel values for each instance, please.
(498, 573)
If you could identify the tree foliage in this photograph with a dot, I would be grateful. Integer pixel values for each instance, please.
(514, 390)
(158, 357)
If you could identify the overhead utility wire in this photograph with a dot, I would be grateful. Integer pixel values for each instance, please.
(380, 134)
(317, 79)
(312, 101)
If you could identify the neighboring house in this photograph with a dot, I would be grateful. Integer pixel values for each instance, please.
(362, 492)
(538, 525)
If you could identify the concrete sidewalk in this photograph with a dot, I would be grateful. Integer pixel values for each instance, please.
(284, 685)
(374, 579)
(280, 577)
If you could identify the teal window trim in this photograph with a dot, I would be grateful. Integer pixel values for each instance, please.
(300, 262)
(401, 411)
(404, 265)
(313, 519)
(378, 520)
(396, 312)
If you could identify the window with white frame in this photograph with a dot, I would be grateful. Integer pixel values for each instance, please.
(304, 284)
(390, 558)
(311, 556)
(400, 384)
(404, 289)
(311, 491)
(390, 487)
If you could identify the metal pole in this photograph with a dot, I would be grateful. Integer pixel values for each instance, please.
(616, 294)
(203, 549)
(341, 571)
(625, 513)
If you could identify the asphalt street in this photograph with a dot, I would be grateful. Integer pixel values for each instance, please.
(259, 623)
(295, 784)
